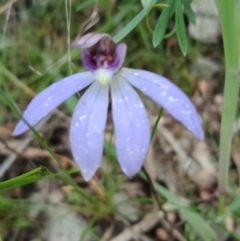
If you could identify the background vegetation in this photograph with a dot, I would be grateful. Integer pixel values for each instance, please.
(196, 183)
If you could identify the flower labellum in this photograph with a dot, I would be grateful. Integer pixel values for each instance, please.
(104, 59)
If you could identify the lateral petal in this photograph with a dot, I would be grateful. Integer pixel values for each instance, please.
(131, 126)
(87, 129)
(51, 97)
(168, 95)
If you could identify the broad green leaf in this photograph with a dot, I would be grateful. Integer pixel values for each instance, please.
(162, 23)
(133, 23)
(181, 28)
(190, 14)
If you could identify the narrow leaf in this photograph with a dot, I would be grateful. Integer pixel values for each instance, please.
(190, 14)
(145, 3)
(133, 23)
(85, 4)
(200, 226)
(181, 29)
(233, 207)
(194, 219)
(229, 18)
(24, 179)
(154, 129)
(162, 23)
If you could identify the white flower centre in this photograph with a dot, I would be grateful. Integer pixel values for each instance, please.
(103, 76)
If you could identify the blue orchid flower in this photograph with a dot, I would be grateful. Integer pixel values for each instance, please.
(104, 59)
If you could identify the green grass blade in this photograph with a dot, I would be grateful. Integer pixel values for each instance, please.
(33, 176)
(190, 14)
(145, 3)
(27, 178)
(12, 105)
(84, 5)
(198, 224)
(181, 28)
(194, 219)
(232, 208)
(154, 129)
(133, 23)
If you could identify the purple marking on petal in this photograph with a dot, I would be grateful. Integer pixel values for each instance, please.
(131, 125)
(121, 51)
(87, 129)
(114, 66)
(87, 61)
(168, 95)
(51, 97)
(104, 54)
(88, 40)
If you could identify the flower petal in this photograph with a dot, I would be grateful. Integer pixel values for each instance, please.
(101, 58)
(131, 126)
(88, 40)
(121, 51)
(168, 95)
(87, 129)
(51, 97)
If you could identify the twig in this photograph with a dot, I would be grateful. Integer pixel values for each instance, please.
(108, 233)
(185, 161)
(10, 160)
(149, 163)
(8, 146)
(28, 90)
(5, 26)
(173, 231)
(7, 5)
(26, 141)
(147, 223)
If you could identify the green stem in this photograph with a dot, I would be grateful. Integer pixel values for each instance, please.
(221, 205)
(229, 17)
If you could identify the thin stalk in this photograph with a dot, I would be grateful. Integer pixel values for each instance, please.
(229, 16)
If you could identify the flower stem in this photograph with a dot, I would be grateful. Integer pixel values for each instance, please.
(150, 182)
(230, 21)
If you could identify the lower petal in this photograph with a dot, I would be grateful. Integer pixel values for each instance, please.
(131, 126)
(87, 129)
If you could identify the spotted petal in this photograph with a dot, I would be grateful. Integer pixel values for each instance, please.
(166, 94)
(87, 129)
(131, 126)
(51, 97)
